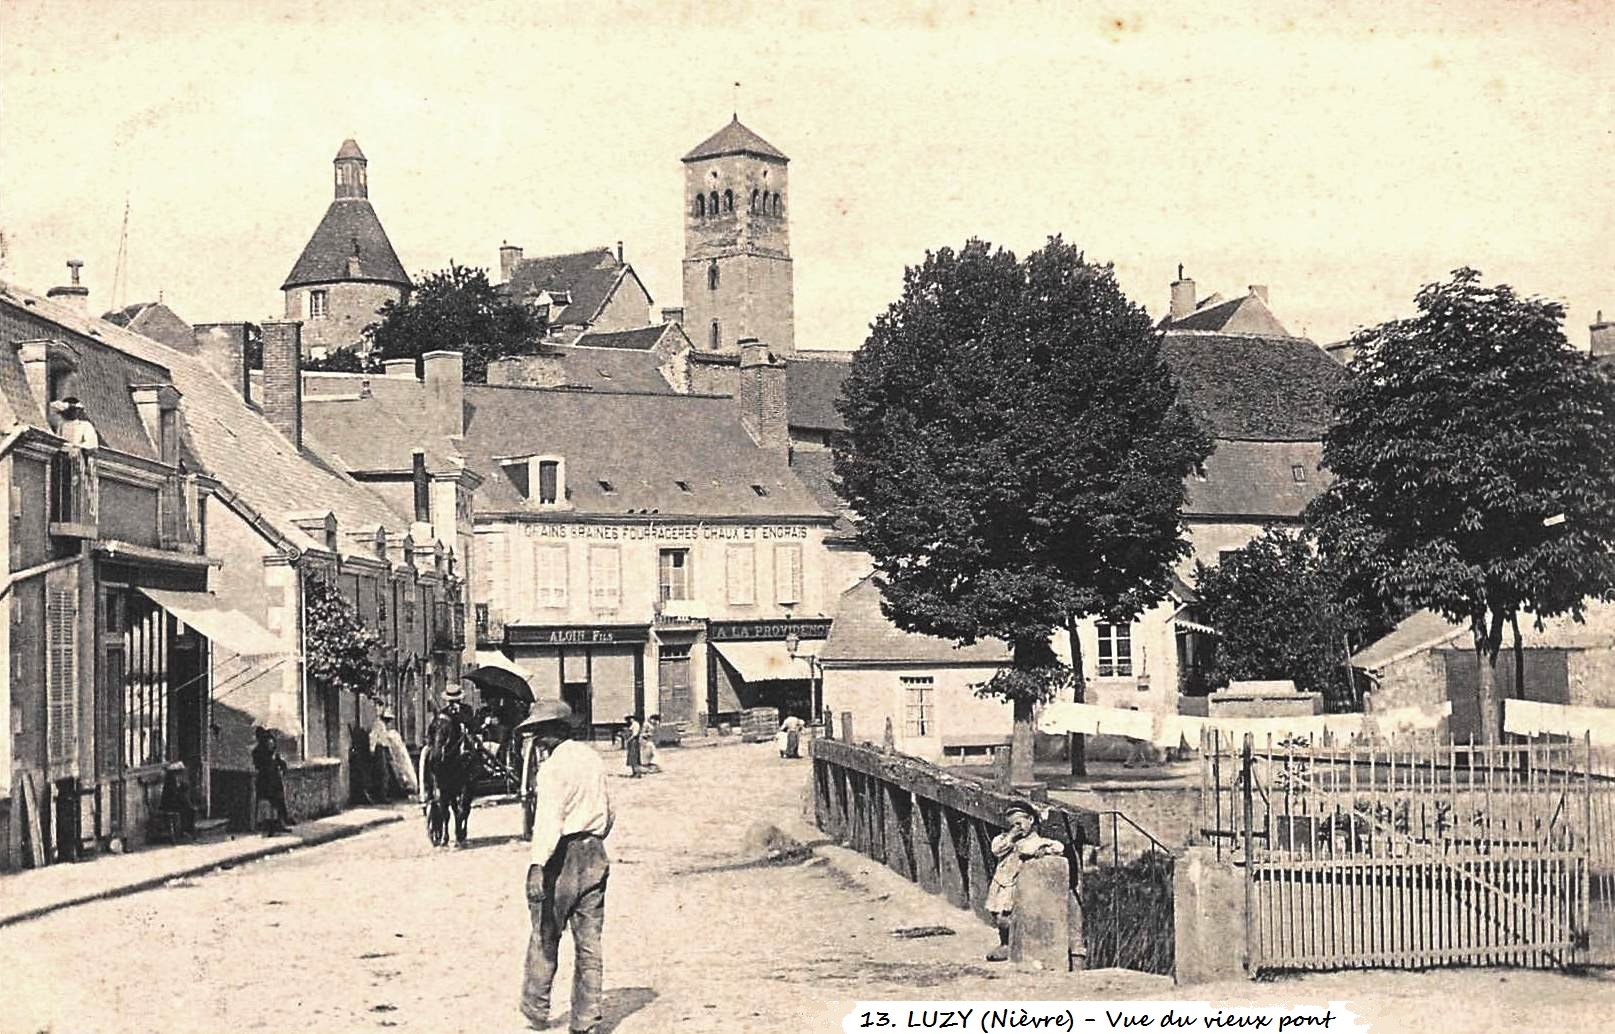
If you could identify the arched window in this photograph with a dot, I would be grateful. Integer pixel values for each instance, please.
(712, 202)
(700, 206)
(754, 202)
(776, 204)
(728, 201)
(716, 336)
(712, 276)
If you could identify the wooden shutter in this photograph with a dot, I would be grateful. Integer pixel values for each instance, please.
(549, 575)
(788, 574)
(605, 577)
(61, 667)
(741, 568)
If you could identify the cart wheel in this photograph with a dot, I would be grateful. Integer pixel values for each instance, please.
(529, 798)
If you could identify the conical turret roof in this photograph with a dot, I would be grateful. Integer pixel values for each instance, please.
(735, 138)
(350, 230)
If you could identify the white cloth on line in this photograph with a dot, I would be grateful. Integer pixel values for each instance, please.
(1091, 719)
(1538, 718)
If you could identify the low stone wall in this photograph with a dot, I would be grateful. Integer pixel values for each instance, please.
(314, 788)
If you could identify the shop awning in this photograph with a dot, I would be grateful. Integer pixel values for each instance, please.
(223, 626)
(1194, 626)
(762, 661)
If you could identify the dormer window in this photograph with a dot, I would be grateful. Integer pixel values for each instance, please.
(760, 490)
(1299, 473)
(607, 487)
(549, 482)
(684, 486)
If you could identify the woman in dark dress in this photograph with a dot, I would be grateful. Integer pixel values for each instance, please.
(271, 769)
(630, 740)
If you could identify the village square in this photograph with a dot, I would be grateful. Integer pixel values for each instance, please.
(949, 596)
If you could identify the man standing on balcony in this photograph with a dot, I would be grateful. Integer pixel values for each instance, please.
(82, 446)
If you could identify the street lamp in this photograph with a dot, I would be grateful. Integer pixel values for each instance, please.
(793, 647)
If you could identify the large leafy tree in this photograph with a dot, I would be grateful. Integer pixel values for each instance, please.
(1474, 461)
(1282, 611)
(456, 308)
(1016, 452)
(339, 651)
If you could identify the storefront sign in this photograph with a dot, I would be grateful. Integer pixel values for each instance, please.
(682, 532)
(804, 628)
(575, 635)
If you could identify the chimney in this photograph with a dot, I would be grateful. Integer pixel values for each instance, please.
(223, 346)
(1182, 296)
(404, 368)
(762, 396)
(1260, 291)
(619, 253)
(283, 378)
(673, 315)
(444, 376)
(35, 359)
(543, 370)
(423, 496)
(509, 255)
(74, 294)
(1603, 337)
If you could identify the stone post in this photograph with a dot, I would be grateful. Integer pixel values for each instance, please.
(1040, 928)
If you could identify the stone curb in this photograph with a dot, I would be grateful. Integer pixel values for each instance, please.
(324, 836)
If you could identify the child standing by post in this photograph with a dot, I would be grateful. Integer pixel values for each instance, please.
(1012, 848)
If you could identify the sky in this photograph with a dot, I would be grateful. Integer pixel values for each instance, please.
(1342, 154)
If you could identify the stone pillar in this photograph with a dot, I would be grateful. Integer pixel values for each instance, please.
(1208, 907)
(1040, 930)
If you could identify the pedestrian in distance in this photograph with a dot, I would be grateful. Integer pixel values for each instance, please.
(632, 738)
(567, 871)
(271, 778)
(1013, 848)
(789, 738)
(647, 744)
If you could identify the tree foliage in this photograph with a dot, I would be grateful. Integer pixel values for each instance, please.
(340, 653)
(1463, 429)
(1016, 453)
(456, 308)
(343, 360)
(1281, 611)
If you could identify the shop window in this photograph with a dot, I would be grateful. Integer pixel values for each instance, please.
(145, 684)
(740, 563)
(673, 566)
(919, 705)
(1115, 650)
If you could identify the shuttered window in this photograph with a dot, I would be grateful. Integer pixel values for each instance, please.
(490, 573)
(788, 573)
(549, 575)
(740, 563)
(61, 669)
(674, 571)
(605, 577)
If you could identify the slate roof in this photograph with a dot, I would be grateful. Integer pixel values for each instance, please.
(1274, 389)
(641, 444)
(862, 633)
(155, 320)
(1251, 478)
(373, 435)
(222, 434)
(816, 470)
(612, 368)
(1248, 315)
(349, 149)
(734, 139)
(325, 258)
(1426, 630)
(641, 338)
(812, 387)
(587, 277)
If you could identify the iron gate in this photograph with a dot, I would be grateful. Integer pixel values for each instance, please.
(1393, 855)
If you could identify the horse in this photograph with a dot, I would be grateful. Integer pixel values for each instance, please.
(449, 765)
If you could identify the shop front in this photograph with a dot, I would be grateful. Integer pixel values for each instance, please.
(769, 663)
(596, 670)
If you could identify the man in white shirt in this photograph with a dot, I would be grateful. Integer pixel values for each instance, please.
(566, 874)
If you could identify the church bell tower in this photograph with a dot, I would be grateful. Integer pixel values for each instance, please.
(737, 254)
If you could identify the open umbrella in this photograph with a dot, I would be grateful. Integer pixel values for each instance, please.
(495, 681)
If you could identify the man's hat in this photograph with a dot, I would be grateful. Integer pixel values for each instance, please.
(387, 714)
(1023, 807)
(453, 693)
(549, 712)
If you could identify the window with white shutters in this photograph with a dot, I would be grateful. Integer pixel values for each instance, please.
(549, 575)
(605, 577)
(741, 566)
(788, 573)
(61, 669)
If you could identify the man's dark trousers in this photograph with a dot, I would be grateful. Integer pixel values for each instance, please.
(569, 891)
